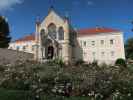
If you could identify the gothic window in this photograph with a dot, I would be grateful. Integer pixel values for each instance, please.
(52, 30)
(61, 33)
(42, 32)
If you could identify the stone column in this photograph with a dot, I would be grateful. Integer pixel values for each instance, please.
(36, 53)
(67, 47)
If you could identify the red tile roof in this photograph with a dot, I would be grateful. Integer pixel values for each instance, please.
(26, 38)
(81, 32)
(94, 31)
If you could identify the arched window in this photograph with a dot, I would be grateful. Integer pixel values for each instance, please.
(61, 33)
(42, 32)
(52, 30)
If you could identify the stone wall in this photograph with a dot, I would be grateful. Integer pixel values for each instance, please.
(12, 57)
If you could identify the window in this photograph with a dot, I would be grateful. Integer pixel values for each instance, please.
(81, 43)
(93, 43)
(33, 47)
(85, 54)
(112, 53)
(94, 53)
(85, 43)
(24, 48)
(42, 32)
(52, 30)
(61, 33)
(102, 42)
(103, 54)
(111, 41)
(18, 48)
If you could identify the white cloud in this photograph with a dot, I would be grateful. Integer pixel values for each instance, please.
(8, 4)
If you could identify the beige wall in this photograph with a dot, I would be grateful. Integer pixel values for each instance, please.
(59, 22)
(103, 53)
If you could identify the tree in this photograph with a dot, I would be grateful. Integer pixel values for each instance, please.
(4, 33)
(129, 48)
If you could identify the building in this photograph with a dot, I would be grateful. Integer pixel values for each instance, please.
(25, 44)
(56, 38)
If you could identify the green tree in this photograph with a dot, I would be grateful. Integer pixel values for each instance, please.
(4, 33)
(129, 48)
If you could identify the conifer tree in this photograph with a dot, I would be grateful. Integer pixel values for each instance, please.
(4, 33)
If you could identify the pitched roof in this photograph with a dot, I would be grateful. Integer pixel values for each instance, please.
(81, 32)
(26, 38)
(94, 31)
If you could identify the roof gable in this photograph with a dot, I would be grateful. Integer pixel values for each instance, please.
(52, 17)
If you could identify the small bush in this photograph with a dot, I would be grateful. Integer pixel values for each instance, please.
(94, 63)
(120, 62)
(79, 62)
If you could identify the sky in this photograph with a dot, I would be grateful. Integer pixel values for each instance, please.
(22, 14)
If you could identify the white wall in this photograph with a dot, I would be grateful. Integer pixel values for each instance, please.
(103, 53)
(28, 45)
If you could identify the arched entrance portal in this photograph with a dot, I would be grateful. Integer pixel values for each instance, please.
(50, 52)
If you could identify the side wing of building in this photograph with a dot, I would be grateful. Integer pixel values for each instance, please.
(102, 47)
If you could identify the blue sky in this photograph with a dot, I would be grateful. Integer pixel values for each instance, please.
(21, 14)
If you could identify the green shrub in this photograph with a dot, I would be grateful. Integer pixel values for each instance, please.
(56, 62)
(79, 62)
(120, 62)
(95, 63)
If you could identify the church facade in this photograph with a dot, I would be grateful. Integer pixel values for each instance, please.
(55, 38)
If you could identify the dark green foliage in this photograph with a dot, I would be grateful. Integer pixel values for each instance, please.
(121, 62)
(64, 98)
(129, 48)
(14, 95)
(4, 33)
(54, 82)
(79, 62)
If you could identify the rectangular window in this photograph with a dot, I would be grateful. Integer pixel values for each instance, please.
(33, 47)
(18, 48)
(81, 43)
(111, 41)
(93, 43)
(102, 42)
(85, 54)
(85, 43)
(24, 48)
(103, 54)
(94, 53)
(112, 53)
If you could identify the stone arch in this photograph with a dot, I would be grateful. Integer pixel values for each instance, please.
(52, 30)
(61, 33)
